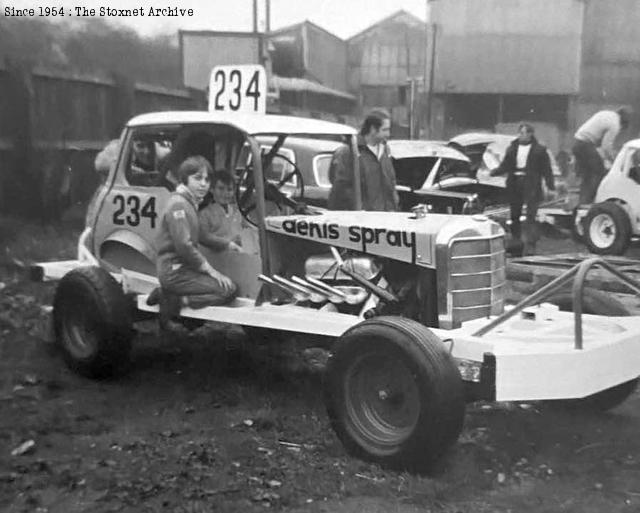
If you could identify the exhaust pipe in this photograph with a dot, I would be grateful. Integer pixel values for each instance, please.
(296, 294)
(311, 295)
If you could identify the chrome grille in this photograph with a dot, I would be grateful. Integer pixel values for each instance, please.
(476, 278)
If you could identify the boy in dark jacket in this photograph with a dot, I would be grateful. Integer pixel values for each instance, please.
(526, 163)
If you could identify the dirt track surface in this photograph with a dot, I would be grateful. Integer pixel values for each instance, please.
(207, 424)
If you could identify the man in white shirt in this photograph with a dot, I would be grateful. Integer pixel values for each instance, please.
(526, 164)
(599, 131)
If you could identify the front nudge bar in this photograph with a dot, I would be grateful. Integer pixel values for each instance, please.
(578, 274)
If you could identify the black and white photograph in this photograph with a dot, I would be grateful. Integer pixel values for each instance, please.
(344, 256)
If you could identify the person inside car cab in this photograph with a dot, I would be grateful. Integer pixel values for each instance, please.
(186, 277)
(220, 220)
(143, 156)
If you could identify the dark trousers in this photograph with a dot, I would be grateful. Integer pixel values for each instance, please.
(590, 169)
(199, 289)
(516, 202)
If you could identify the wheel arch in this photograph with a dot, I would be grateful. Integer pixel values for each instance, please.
(126, 249)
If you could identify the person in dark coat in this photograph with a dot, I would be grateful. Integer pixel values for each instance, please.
(526, 163)
(377, 176)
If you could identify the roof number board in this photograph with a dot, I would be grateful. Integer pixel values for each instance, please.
(235, 89)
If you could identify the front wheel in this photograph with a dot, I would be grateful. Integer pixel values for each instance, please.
(607, 229)
(92, 322)
(393, 393)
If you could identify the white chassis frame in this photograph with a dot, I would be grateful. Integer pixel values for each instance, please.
(535, 357)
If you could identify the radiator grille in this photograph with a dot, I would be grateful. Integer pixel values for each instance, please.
(477, 278)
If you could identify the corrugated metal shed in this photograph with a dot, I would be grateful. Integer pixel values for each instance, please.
(508, 46)
(388, 53)
(611, 59)
(305, 50)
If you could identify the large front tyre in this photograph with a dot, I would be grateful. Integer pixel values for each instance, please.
(393, 394)
(92, 322)
(607, 229)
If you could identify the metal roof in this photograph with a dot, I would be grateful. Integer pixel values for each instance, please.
(252, 124)
(403, 149)
(302, 84)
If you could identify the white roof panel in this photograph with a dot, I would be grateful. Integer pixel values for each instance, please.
(403, 149)
(252, 124)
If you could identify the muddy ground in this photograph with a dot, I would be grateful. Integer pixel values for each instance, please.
(203, 424)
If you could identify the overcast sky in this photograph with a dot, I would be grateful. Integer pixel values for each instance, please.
(342, 17)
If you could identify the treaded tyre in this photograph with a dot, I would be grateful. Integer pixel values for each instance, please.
(596, 303)
(92, 322)
(607, 229)
(393, 394)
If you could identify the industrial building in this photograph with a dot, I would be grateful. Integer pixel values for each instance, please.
(552, 62)
(488, 65)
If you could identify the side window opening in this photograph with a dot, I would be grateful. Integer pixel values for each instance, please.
(148, 150)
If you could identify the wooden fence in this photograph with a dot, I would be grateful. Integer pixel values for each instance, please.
(52, 125)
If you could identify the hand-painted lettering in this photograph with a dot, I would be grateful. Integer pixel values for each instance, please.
(354, 234)
(360, 235)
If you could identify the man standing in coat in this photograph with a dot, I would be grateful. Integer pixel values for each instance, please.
(377, 176)
(526, 163)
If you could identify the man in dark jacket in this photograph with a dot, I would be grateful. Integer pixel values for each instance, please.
(526, 163)
(377, 176)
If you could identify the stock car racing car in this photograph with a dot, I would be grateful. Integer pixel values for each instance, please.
(413, 303)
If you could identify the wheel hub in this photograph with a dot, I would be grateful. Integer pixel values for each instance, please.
(602, 230)
(382, 401)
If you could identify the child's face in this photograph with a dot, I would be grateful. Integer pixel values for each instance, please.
(199, 183)
(222, 193)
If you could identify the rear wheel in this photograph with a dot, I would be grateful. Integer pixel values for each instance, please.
(597, 303)
(393, 393)
(92, 322)
(607, 230)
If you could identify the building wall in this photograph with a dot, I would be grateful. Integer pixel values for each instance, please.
(387, 56)
(308, 51)
(508, 46)
(610, 59)
(203, 51)
(326, 58)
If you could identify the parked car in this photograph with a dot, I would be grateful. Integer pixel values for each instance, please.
(426, 172)
(440, 176)
(609, 224)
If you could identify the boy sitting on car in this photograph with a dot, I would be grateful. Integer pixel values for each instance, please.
(221, 221)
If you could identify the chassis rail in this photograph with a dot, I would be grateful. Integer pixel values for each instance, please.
(578, 274)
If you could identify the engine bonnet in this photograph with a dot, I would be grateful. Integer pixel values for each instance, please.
(398, 235)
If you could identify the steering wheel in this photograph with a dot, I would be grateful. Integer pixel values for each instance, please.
(245, 190)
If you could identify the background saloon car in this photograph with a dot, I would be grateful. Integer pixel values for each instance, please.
(426, 172)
